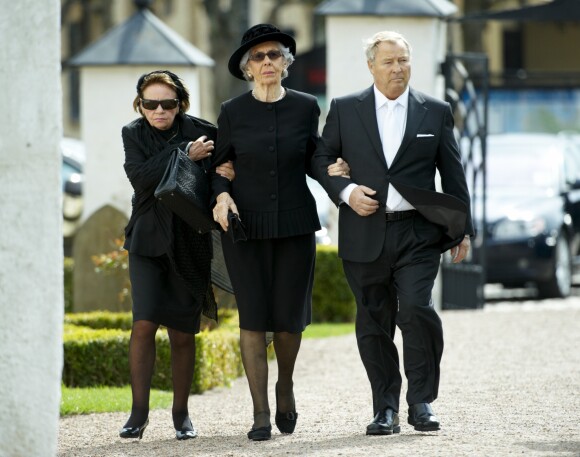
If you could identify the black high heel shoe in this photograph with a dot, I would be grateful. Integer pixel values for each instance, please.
(134, 432)
(286, 422)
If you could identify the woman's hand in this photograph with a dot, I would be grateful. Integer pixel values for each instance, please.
(339, 168)
(200, 148)
(226, 170)
(224, 204)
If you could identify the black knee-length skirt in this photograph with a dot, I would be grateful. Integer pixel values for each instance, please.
(272, 281)
(160, 296)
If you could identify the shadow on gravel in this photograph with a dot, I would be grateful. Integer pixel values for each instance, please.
(569, 447)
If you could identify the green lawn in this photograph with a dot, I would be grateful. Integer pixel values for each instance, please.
(112, 399)
(85, 400)
(328, 329)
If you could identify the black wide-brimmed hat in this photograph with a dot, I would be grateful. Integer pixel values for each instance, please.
(257, 34)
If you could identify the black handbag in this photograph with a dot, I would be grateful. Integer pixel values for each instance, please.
(184, 188)
(236, 229)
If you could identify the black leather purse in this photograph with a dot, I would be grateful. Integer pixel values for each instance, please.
(184, 188)
(236, 229)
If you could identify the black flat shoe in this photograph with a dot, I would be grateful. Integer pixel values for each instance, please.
(286, 422)
(187, 431)
(133, 432)
(260, 433)
(422, 417)
(386, 422)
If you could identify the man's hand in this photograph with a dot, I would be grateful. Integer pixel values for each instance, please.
(226, 170)
(459, 252)
(339, 168)
(360, 201)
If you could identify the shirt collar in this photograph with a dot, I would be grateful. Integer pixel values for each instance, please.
(381, 100)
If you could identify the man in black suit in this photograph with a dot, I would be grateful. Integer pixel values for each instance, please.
(393, 224)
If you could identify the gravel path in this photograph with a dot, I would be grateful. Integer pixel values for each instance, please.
(510, 386)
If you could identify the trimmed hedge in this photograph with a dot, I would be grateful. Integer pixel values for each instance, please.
(96, 353)
(99, 358)
(100, 320)
(332, 299)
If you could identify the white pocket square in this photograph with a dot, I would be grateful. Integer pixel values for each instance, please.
(424, 135)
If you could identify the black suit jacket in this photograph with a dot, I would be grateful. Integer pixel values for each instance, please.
(271, 145)
(351, 132)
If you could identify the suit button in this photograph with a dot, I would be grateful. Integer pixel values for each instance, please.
(271, 128)
(273, 197)
(271, 148)
(272, 173)
(388, 176)
(269, 107)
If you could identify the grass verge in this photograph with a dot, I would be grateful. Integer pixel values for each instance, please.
(85, 400)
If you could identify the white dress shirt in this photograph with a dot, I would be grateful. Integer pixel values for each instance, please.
(391, 134)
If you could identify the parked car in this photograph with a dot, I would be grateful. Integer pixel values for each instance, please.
(73, 155)
(533, 211)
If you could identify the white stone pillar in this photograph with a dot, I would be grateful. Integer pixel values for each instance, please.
(31, 253)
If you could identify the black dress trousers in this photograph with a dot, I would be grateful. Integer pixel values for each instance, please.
(396, 288)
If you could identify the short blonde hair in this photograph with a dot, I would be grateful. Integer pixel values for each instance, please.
(370, 44)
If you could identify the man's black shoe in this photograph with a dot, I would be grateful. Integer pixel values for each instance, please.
(422, 417)
(386, 422)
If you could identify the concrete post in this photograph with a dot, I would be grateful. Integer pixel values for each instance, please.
(31, 253)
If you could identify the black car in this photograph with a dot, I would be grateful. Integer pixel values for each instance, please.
(533, 211)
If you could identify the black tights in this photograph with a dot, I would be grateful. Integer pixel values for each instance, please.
(142, 362)
(254, 358)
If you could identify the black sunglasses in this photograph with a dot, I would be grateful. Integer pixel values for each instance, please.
(170, 103)
(259, 56)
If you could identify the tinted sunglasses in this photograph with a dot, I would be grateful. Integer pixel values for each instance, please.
(259, 56)
(170, 103)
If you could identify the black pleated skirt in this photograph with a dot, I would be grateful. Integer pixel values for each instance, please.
(272, 281)
(160, 296)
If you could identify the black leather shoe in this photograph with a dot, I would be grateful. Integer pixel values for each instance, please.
(134, 432)
(260, 434)
(422, 417)
(286, 422)
(386, 422)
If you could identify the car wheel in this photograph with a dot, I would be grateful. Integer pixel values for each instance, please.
(560, 284)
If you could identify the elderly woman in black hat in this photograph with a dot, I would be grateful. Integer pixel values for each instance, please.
(169, 264)
(270, 133)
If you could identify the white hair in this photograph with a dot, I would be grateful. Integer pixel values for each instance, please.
(370, 44)
(286, 54)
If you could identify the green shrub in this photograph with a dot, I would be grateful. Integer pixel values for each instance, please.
(332, 299)
(101, 319)
(95, 357)
(96, 353)
(68, 284)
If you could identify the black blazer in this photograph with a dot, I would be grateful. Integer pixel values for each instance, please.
(351, 132)
(271, 145)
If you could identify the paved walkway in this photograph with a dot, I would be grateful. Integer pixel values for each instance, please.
(510, 386)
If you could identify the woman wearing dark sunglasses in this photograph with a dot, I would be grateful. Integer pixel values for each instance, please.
(169, 264)
(270, 133)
